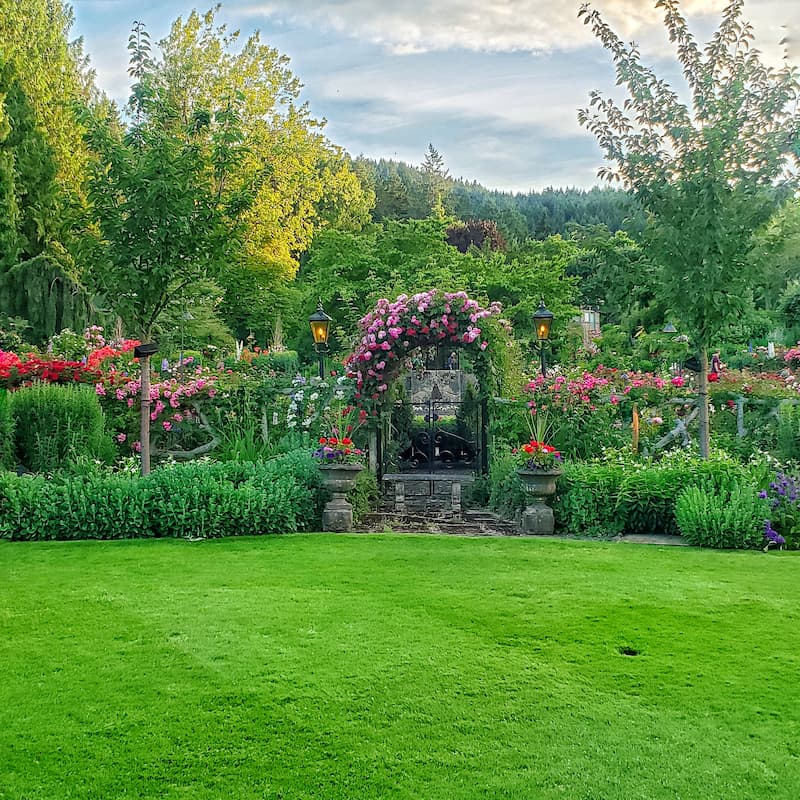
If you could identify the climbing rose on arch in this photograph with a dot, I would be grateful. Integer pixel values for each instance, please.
(394, 329)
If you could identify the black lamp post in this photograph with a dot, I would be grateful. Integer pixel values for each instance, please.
(320, 324)
(542, 320)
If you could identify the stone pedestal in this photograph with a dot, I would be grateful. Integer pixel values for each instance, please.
(338, 479)
(537, 518)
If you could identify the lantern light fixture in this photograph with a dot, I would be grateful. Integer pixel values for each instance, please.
(542, 320)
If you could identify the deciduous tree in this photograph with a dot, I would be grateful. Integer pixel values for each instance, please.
(709, 171)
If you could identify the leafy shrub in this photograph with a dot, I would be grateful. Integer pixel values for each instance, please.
(210, 500)
(6, 433)
(507, 493)
(625, 496)
(586, 500)
(242, 440)
(364, 495)
(788, 432)
(721, 518)
(477, 493)
(646, 500)
(285, 361)
(58, 424)
(80, 507)
(68, 345)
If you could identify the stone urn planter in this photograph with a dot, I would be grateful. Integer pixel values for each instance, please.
(338, 479)
(540, 484)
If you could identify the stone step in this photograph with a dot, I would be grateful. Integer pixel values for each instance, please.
(420, 523)
(469, 523)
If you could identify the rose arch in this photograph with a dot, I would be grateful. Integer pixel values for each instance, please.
(394, 330)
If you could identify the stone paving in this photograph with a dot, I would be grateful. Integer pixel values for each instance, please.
(479, 523)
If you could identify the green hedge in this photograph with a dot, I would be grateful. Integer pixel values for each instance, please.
(613, 499)
(58, 425)
(208, 500)
(6, 433)
(609, 499)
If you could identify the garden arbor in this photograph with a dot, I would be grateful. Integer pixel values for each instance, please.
(396, 337)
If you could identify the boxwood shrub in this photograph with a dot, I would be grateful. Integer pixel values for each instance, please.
(209, 500)
(58, 425)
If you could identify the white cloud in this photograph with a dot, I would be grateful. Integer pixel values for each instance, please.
(417, 26)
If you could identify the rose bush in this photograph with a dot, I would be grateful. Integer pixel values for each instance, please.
(393, 330)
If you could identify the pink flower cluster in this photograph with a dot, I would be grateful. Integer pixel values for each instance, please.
(393, 329)
(170, 400)
(792, 356)
(590, 389)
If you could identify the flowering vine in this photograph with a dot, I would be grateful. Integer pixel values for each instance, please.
(393, 330)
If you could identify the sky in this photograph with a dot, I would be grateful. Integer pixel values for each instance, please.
(494, 85)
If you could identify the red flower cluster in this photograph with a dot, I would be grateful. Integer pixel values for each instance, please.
(333, 441)
(537, 455)
(333, 450)
(97, 357)
(15, 372)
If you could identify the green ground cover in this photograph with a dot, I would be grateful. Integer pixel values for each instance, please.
(325, 666)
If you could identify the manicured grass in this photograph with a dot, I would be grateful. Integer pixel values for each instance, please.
(397, 667)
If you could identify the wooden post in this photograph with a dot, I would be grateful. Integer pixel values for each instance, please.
(702, 403)
(144, 427)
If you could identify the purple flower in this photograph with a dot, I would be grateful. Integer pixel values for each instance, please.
(772, 535)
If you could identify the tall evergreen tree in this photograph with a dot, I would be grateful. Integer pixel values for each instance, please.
(33, 172)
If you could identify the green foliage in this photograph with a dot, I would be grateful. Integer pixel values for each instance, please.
(646, 497)
(782, 496)
(506, 493)
(732, 518)
(616, 274)
(88, 506)
(788, 432)
(284, 361)
(402, 192)
(478, 493)
(586, 500)
(351, 271)
(35, 38)
(191, 500)
(46, 295)
(364, 495)
(158, 181)
(627, 496)
(706, 174)
(6, 432)
(274, 168)
(56, 425)
(12, 333)
(242, 440)
(68, 345)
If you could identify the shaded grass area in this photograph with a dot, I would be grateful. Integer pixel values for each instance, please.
(326, 666)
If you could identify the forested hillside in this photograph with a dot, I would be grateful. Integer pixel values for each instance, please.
(403, 191)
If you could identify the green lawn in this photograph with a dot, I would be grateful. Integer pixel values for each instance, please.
(326, 666)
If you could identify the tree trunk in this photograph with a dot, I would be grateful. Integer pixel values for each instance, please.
(702, 403)
(144, 428)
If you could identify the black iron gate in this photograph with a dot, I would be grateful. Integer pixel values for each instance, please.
(434, 436)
